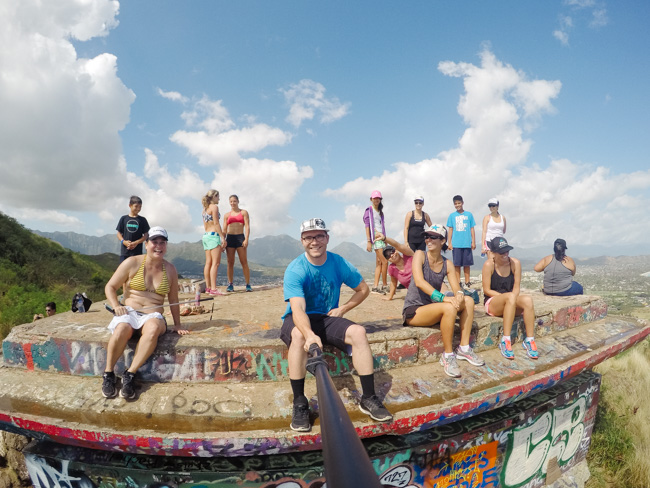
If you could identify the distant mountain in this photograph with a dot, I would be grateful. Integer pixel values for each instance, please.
(82, 243)
(360, 258)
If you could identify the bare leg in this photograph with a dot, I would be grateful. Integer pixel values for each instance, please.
(466, 269)
(505, 305)
(243, 260)
(297, 356)
(430, 314)
(151, 330)
(214, 268)
(356, 337)
(525, 306)
(466, 320)
(117, 344)
(206, 269)
(230, 271)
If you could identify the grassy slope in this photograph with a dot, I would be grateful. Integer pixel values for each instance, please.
(35, 270)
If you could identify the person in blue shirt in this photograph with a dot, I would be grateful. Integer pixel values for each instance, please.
(312, 287)
(461, 239)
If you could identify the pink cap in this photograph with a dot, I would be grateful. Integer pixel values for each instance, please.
(376, 194)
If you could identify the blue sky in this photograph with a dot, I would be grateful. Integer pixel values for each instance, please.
(304, 108)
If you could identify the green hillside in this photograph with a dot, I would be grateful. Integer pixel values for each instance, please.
(35, 270)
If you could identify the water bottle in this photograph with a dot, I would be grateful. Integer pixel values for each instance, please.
(80, 304)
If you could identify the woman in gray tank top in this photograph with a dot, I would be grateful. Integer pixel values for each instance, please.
(425, 305)
(559, 270)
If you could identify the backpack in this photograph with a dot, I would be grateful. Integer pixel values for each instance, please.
(81, 297)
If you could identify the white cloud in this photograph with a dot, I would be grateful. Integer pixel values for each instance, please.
(580, 202)
(61, 115)
(266, 189)
(562, 33)
(218, 142)
(599, 18)
(306, 98)
(172, 95)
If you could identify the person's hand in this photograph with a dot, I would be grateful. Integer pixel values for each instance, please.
(181, 331)
(379, 236)
(245, 244)
(126, 243)
(121, 310)
(460, 297)
(336, 312)
(313, 339)
(450, 247)
(473, 246)
(387, 298)
(369, 247)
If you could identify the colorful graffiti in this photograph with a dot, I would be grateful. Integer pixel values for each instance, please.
(555, 434)
(509, 447)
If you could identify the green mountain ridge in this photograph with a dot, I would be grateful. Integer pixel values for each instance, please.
(35, 270)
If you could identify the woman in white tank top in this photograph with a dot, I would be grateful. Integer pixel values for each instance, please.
(494, 225)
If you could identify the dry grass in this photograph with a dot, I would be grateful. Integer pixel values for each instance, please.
(620, 452)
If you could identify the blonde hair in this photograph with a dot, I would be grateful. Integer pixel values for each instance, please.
(207, 198)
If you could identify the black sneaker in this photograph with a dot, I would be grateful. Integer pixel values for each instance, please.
(128, 386)
(108, 386)
(372, 406)
(300, 418)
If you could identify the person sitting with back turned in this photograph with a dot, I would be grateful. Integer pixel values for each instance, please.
(312, 287)
(559, 270)
(150, 279)
(501, 287)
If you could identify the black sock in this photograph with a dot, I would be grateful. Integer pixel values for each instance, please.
(298, 388)
(367, 385)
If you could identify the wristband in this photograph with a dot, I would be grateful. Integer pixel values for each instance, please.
(436, 296)
(122, 241)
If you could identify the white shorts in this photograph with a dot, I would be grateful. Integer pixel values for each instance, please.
(134, 319)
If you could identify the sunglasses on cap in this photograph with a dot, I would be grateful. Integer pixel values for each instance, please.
(433, 237)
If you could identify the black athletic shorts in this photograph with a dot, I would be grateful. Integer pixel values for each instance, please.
(235, 240)
(331, 330)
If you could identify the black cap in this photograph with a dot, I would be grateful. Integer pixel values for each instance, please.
(499, 245)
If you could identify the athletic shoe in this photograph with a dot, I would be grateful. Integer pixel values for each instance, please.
(506, 349)
(230, 287)
(128, 385)
(216, 292)
(377, 290)
(300, 418)
(450, 365)
(469, 356)
(108, 385)
(372, 406)
(468, 284)
(531, 348)
(248, 288)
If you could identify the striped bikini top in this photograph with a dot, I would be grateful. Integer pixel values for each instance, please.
(137, 282)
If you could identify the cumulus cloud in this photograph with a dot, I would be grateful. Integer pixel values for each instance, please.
(577, 201)
(61, 115)
(218, 141)
(307, 98)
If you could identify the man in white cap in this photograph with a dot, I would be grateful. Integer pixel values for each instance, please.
(312, 287)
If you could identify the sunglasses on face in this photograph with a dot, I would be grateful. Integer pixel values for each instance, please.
(492, 205)
(418, 202)
(433, 238)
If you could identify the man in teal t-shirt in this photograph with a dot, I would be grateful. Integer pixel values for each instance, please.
(312, 286)
(461, 239)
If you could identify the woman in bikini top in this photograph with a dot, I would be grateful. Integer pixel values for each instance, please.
(237, 225)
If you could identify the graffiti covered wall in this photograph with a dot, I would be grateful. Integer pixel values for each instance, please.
(510, 447)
